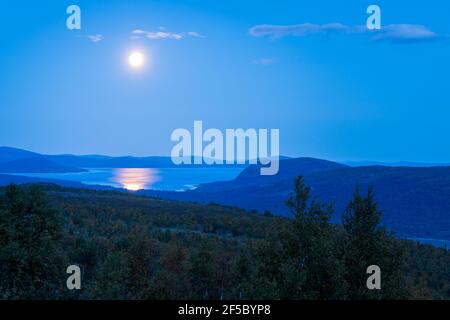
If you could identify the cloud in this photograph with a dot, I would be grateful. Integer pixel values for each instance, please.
(405, 33)
(163, 34)
(93, 37)
(265, 61)
(195, 34)
(393, 32)
(297, 30)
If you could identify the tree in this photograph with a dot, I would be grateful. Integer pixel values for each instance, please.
(31, 263)
(201, 271)
(298, 260)
(140, 259)
(172, 279)
(312, 245)
(367, 243)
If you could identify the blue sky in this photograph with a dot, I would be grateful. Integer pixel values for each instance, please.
(304, 67)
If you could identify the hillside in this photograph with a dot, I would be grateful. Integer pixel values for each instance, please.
(10, 154)
(35, 164)
(14, 160)
(415, 201)
(133, 247)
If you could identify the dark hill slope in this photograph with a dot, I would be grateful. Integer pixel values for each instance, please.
(415, 201)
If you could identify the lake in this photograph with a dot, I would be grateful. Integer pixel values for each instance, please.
(169, 179)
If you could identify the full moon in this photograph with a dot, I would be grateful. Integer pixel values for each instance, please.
(136, 59)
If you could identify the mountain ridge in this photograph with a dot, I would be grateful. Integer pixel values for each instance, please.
(415, 200)
(80, 162)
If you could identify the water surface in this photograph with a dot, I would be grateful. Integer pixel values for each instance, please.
(173, 179)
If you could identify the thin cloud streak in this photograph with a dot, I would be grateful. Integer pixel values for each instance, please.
(96, 37)
(92, 37)
(163, 34)
(393, 32)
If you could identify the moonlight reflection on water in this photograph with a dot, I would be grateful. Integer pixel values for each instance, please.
(134, 179)
(167, 179)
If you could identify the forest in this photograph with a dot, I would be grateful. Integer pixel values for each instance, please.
(136, 247)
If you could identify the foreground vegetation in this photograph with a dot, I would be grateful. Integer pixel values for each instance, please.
(131, 247)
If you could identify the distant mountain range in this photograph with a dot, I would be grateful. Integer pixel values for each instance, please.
(14, 160)
(37, 165)
(394, 164)
(415, 200)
